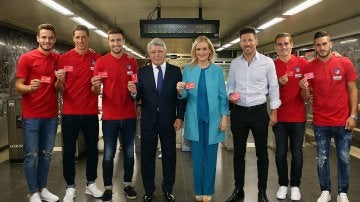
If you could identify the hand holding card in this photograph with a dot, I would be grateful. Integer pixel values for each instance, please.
(190, 85)
(68, 68)
(45, 79)
(134, 78)
(309, 75)
(103, 74)
(234, 96)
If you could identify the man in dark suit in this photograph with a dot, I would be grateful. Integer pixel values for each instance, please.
(161, 115)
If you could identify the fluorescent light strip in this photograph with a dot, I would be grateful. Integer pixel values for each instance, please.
(301, 7)
(83, 22)
(57, 7)
(101, 33)
(220, 49)
(348, 41)
(235, 41)
(271, 23)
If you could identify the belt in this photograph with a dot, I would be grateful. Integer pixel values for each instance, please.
(251, 107)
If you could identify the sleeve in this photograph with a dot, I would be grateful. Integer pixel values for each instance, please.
(231, 83)
(139, 85)
(185, 79)
(273, 86)
(181, 103)
(22, 68)
(351, 74)
(223, 98)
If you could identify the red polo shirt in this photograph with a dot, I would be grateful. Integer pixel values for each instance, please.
(331, 96)
(117, 102)
(78, 99)
(292, 108)
(41, 103)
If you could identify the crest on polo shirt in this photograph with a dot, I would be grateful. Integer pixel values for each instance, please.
(297, 69)
(92, 67)
(337, 70)
(129, 69)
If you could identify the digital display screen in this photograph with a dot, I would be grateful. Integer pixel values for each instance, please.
(179, 28)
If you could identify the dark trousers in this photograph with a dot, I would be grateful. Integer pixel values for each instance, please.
(295, 133)
(70, 126)
(124, 130)
(243, 120)
(149, 140)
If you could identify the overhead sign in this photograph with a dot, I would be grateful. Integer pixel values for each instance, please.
(179, 28)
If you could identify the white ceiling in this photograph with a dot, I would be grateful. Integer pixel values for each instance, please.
(233, 14)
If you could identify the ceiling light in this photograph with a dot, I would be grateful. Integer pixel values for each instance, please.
(227, 45)
(301, 7)
(101, 33)
(220, 49)
(55, 6)
(235, 41)
(348, 41)
(83, 22)
(271, 23)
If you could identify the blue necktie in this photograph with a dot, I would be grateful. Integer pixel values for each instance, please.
(160, 80)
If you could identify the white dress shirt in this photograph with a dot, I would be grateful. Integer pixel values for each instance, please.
(254, 81)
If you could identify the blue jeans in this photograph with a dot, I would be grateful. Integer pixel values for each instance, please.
(124, 130)
(39, 138)
(342, 139)
(285, 131)
(70, 126)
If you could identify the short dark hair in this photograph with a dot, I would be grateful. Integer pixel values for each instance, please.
(282, 35)
(247, 30)
(46, 26)
(81, 28)
(321, 34)
(116, 31)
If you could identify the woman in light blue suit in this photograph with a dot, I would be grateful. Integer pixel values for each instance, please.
(206, 114)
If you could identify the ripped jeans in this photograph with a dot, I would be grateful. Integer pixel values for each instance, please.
(342, 139)
(39, 138)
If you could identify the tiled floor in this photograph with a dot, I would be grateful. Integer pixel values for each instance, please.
(14, 189)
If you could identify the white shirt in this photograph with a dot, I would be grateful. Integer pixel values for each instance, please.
(156, 71)
(254, 81)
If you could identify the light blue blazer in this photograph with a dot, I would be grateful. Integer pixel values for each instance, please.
(217, 99)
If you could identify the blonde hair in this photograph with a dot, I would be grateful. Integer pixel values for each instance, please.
(212, 55)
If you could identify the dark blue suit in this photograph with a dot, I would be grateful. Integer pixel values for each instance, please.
(158, 114)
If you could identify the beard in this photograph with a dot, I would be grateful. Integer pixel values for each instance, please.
(43, 47)
(116, 50)
(324, 54)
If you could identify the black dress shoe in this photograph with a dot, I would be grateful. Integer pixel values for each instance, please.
(148, 197)
(262, 196)
(237, 195)
(169, 197)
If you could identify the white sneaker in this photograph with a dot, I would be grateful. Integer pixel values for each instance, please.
(281, 193)
(93, 190)
(342, 197)
(35, 197)
(324, 197)
(69, 194)
(295, 194)
(46, 195)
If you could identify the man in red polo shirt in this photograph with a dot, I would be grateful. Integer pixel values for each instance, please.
(291, 116)
(79, 111)
(35, 81)
(335, 99)
(114, 70)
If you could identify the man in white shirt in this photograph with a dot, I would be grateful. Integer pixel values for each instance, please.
(252, 77)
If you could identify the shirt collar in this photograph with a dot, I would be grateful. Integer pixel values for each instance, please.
(163, 65)
(256, 56)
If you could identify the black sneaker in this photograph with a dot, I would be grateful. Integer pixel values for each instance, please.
(130, 192)
(107, 196)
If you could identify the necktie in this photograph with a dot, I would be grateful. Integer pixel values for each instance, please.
(160, 80)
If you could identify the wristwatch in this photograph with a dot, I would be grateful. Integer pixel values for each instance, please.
(354, 117)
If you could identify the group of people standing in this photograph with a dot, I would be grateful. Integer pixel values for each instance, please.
(163, 93)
